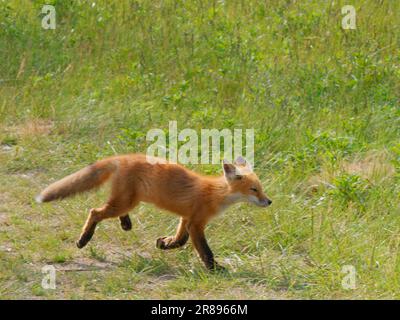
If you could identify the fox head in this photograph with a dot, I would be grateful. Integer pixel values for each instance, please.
(244, 183)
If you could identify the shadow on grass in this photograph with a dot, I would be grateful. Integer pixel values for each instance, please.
(150, 266)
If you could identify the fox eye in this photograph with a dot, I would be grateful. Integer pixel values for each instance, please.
(254, 189)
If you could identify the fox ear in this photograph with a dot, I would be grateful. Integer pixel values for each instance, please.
(229, 170)
(240, 161)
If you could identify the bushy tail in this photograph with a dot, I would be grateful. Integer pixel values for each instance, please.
(85, 179)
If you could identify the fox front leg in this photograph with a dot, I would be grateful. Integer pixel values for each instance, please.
(176, 241)
(196, 232)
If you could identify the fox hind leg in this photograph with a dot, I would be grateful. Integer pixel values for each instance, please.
(89, 227)
(112, 209)
(88, 231)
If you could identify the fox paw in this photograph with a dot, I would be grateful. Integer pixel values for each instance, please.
(126, 223)
(86, 236)
(81, 243)
(165, 243)
(217, 268)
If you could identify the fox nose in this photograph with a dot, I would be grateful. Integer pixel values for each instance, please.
(266, 202)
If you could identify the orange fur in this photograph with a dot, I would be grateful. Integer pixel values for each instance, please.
(195, 198)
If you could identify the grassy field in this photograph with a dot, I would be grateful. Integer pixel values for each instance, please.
(324, 103)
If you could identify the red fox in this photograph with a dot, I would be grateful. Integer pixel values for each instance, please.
(195, 198)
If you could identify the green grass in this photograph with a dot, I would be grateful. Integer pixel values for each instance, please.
(324, 103)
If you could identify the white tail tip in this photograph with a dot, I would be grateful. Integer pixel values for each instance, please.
(39, 198)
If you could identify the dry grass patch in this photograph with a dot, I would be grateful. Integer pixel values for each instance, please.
(375, 166)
